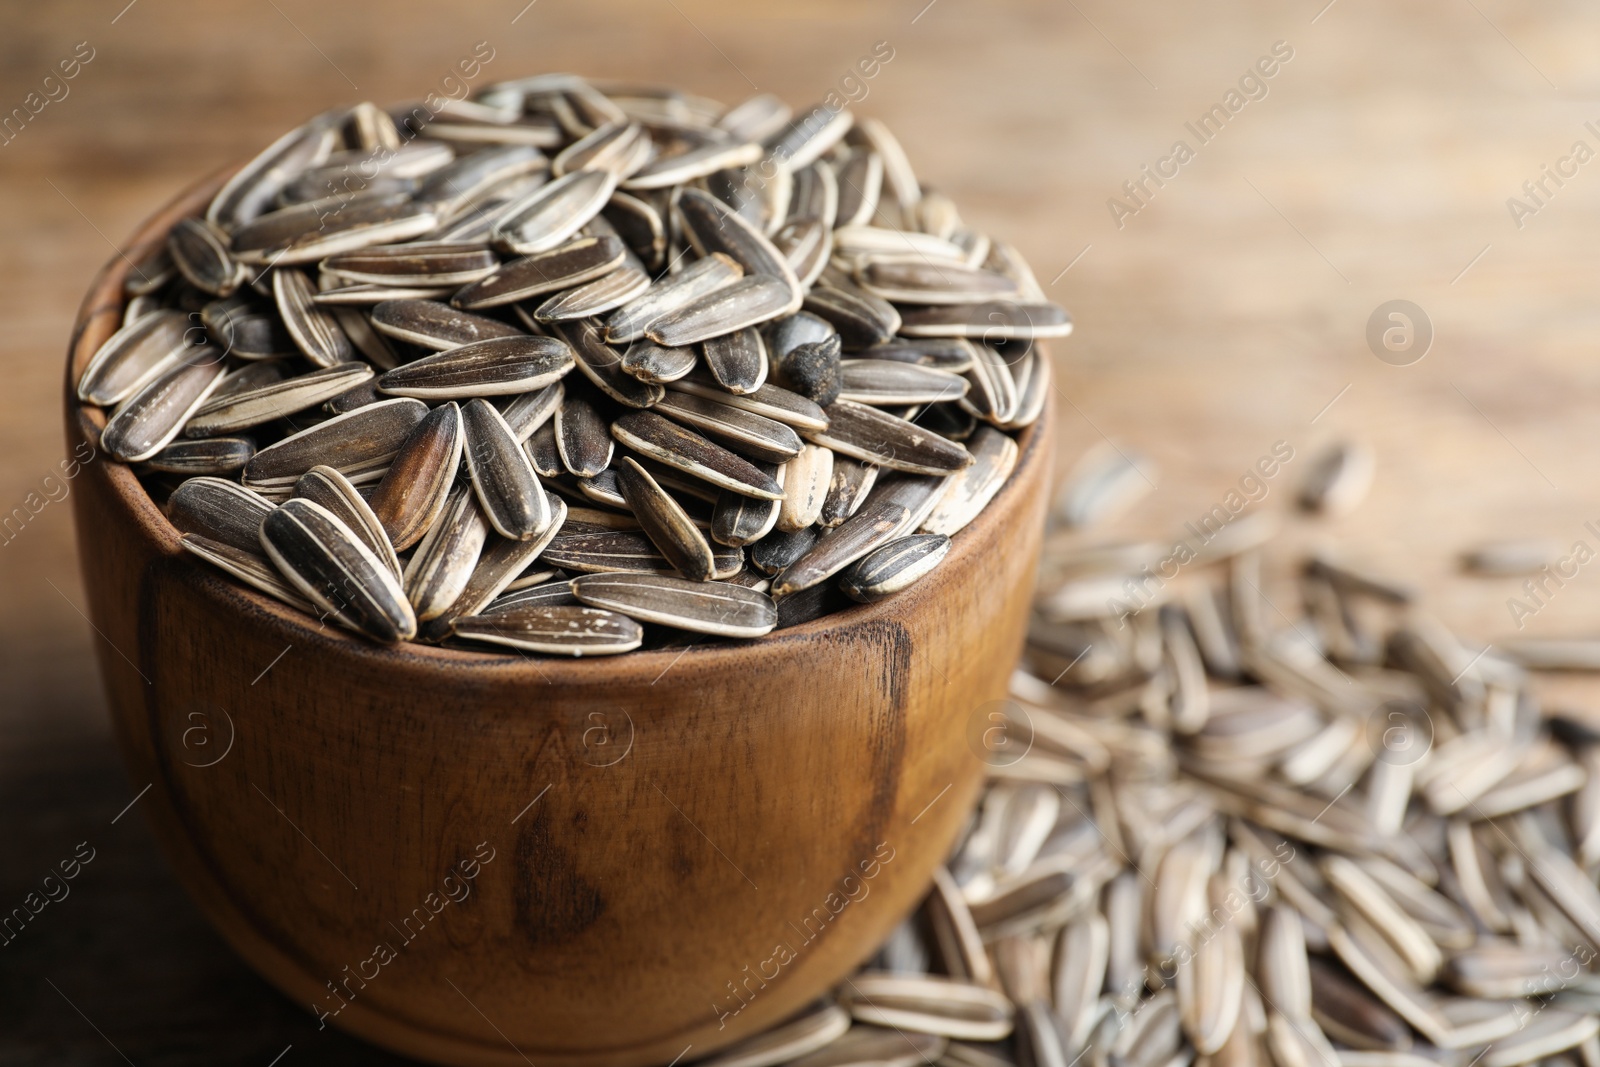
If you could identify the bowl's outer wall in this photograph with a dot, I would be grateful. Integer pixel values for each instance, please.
(484, 860)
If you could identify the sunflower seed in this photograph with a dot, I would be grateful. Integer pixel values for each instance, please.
(751, 300)
(315, 330)
(712, 226)
(969, 491)
(860, 318)
(770, 401)
(687, 451)
(551, 593)
(741, 520)
(360, 441)
(1510, 558)
(750, 434)
(873, 436)
(607, 551)
(874, 525)
(614, 147)
(508, 489)
(248, 566)
(330, 490)
(887, 382)
(852, 480)
(665, 522)
(595, 298)
(500, 565)
(779, 549)
(929, 1004)
(199, 250)
(991, 320)
(219, 510)
(697, 280)
(431, 324)
(213, 455)
(410, 497)
(716, 608)
(1348, 1014)
(432, 265)
(805, 485)
(814, 371)
(583, 438)
(1079, 974)
(651, 363)
(860, 185)
(443, 563)
(148, 420)
(563, 267)
(554, 212)
(133, 356)
(639, 225)
(696, 163)
(1337, 479)
(913, 280)
(309, 233)
(894, 567)
(501, 366)
(557, 630)
(472, 177)
(333, 569)
(256, 185)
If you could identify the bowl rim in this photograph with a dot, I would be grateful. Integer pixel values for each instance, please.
(100, 315)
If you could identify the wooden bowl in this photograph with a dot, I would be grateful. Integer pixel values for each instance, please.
(494, 859)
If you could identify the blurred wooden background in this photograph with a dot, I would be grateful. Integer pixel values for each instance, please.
(1226, 315)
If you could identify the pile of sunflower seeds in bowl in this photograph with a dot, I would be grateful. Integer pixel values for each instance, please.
(799, 372)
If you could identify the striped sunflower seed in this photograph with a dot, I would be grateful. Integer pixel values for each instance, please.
(431, 265)
(358, 443)
(968, 492)
(651, 363)
(551, 214)
(884, 383)
(874, 525)
(750, 301)
(876, 437)
(737, 360)
(698, 279)
(894, 567)
(596, 297)
(219, 510)
(411, 496)
(749, 434)
(566, 266)
(508, 490)
(716, 608)
(442, 565)
(806, 478)
(212, 455)
(583, 438)
(554, 629)
(199, 250)
(250, 567)
(133, 356)
(665, 522)
(148, 420)
(230, 409)
(602, 365)
(502, 366)
(333, 569)
(684, 450)
(430, 324)
(332, 491)
(852, 480)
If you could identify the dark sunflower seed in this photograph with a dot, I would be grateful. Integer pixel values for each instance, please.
(527, 412)
(953, 354)
(912, 280)
(555, 629)
(768, 400)
(780, 548)
(596, 297)
(740, 520)
(133, 356)
(502, 476)
(212, 455)
(412, 493)
(546, 594)
(361, 441)
(239, 410)
(331, 490)
(861, 318)
(544, 452)
(878, 522)
(991, 320)
(433, 265)
(738, 360)
(664, 521)
(847, 490)
(814, 371)
(894, 567)
(499, 367)
(747, 433)
(750, 301)
(499, 565)
(315, 330)
(443, 563)
(570, 265)
(649, 362)
(698, 279)
(149, 419)
(219, 510)
(431, 324)
(687, 451)
(257, 184)
(874, 436)
(700, 607)
(640, 226)
(583, 438)
(789, 333)
(199, 249)
(333, 569)
(602, 365)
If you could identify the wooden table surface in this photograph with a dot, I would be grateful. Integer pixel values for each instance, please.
(1227, 313)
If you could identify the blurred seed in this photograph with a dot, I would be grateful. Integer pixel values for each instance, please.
(133, 356)
(199, 250)
(211, 455)
(1337, 479)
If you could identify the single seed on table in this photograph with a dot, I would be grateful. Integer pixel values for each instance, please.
(893, 568)
(717, 608)
(333, 569)
(149, 419)
(239, 409)
(249, 566)
(665, 522)
(806, 478)
(873, 436)
(508, 490)
(219, 510)
(875, 524)
(443, 563)
(411, 496)
(665, 441)
(133, 356)
(315, 330)
(565, 267)
(333, 492)
(358, 442)
(502, 366)
(431, 324)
